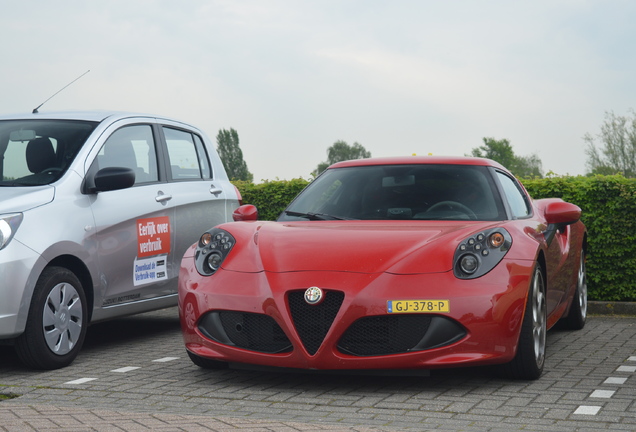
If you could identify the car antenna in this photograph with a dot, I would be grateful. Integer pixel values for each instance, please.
(35, 110)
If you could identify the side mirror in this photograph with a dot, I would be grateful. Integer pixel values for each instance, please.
(113, 178)
(246, 212)
(562, 213)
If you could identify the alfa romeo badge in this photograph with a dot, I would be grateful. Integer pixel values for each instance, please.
(313, 295)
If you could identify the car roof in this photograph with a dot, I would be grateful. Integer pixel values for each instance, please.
(419, 160)
(90, 115)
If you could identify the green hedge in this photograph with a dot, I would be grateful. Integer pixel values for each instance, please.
(270, 197)
(609, 212)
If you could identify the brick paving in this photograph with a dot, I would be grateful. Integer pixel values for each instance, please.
(134, 375)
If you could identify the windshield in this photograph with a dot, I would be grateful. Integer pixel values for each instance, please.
(38, 152)
(394, 192)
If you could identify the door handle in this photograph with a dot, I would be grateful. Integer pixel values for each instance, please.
(161, 197)
(215, 190)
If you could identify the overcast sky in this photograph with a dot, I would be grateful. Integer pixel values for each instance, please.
(292, 77)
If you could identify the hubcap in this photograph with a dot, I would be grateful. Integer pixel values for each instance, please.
(538, 318)
(62, 318)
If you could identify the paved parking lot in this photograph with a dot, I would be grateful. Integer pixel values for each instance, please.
(134, 375)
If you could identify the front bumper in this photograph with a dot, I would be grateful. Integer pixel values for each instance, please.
(482, 326)
(19, 267)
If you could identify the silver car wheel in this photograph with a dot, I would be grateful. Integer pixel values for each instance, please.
(530, 357)
(582, 288)
(539, 329)
(62, 318)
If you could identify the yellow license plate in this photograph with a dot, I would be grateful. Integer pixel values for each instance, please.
(418, 306)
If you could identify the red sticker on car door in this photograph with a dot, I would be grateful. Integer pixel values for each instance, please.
(153, 236)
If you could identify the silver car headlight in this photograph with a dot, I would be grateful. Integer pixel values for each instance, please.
(8, 226)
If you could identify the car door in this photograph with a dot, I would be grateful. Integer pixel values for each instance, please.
(558, 245)
(134, 227)
(201, 198)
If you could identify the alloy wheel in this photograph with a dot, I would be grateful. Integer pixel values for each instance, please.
(582, 288)
(538, 318)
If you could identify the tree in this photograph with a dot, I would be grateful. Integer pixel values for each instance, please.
(231, 155)
(617, 148)
(501, 151)
(341, 151)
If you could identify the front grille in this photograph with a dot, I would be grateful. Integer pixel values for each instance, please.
(384, 334)
(255, 332)
(312, 322)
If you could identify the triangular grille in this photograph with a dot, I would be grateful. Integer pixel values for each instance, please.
(312, 322)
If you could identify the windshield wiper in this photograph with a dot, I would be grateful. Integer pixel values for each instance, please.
(315, 216)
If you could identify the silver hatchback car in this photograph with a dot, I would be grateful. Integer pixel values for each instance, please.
(96, 211)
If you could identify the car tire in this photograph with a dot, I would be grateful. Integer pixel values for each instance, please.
(206, 363)
(57, 321)
(530, 357)
(575, 320)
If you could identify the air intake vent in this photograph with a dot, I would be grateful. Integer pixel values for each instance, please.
(400, 333)
(255, 332)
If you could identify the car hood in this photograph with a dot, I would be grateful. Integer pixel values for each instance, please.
(348, 246)
(20, 199)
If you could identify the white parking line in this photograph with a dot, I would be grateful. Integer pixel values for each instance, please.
(121, 370)
(126, 369)
(602, 394)
(615, 380)
(606, 394)
(165, 359)
(81, 381)
(587, 410)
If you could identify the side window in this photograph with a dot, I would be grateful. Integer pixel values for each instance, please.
(206, 170)
(515, 197)
(188, 159)
(131, 147)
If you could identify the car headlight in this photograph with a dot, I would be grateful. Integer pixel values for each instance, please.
(480, 253)
(212, 249)
(8, 226)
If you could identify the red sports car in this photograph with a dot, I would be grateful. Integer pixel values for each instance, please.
(389, 263)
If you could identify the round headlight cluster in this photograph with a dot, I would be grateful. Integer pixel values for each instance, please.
(213, 248)
(480, 253)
